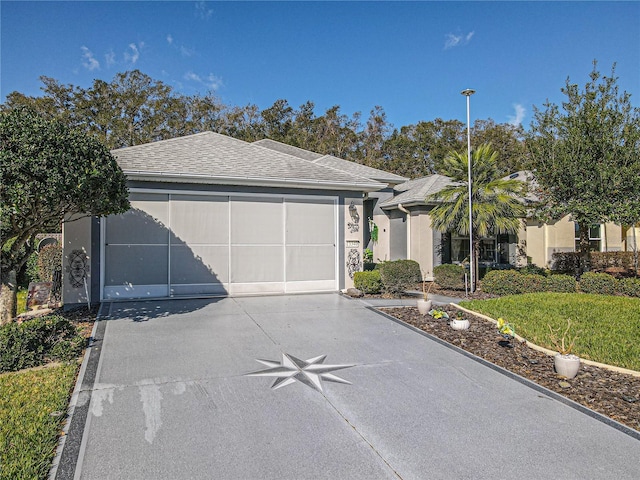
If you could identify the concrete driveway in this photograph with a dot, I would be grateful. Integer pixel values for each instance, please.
(166, 395)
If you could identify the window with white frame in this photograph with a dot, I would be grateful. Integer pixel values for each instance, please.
(595, 238)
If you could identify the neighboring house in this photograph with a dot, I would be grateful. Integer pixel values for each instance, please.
(213, 215)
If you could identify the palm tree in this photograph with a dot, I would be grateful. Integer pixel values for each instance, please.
(498, 204)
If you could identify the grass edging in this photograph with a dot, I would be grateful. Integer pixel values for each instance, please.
(72, 405)
(552, 353)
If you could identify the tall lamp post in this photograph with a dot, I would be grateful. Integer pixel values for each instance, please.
(467, 93)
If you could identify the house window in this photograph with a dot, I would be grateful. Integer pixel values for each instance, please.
(459, 249)
(595, 238)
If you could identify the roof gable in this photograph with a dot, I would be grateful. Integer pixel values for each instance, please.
(210, 157)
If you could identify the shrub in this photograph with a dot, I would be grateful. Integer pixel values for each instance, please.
(560, 284)
(399, 275)
(597, 283)
(368, 266)
(601, 261)
(449, 276)
(35, 342)
(368, 281)
(530, 283)
(629, 287)
(566, 262)
(49, 261)
(502, 282)
(533, 269)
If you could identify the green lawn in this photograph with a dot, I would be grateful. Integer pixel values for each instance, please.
(28, 430)
(21, 302)
(608, 327)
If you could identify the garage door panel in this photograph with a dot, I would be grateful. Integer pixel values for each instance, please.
(256, 220)
(136, 227)
(252, 264)
(136, 264)
(199, 264)
(310, 222)
(197, 219)
(311, 263)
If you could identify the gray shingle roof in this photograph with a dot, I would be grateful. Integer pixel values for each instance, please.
(334, 162)
(415, 192)
(217, 159)
(290, 149)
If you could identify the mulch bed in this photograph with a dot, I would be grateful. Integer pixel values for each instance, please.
(613, 394)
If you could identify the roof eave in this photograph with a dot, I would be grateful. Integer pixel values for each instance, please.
(253, 182)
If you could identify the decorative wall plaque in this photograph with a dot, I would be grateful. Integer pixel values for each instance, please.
(354, 224)
(353, 262)
(353, 243)
(77, 268)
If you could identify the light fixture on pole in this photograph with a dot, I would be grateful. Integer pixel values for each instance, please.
(467, 93)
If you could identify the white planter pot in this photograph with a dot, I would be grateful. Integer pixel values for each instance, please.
(459, 324)
(424, 306)
(566, 365)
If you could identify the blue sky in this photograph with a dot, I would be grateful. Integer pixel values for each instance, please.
(411, 58)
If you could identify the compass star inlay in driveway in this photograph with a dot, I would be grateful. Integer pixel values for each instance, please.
(291, 369)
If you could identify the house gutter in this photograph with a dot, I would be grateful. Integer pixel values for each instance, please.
(252, 181)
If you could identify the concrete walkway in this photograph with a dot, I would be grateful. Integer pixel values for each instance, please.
(169, 397)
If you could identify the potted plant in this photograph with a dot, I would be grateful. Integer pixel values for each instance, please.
(507, 331)
(424, 304)
(438, 314)
(459, 322)
(566, 364)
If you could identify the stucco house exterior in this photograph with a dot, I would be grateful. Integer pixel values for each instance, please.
(213, 215)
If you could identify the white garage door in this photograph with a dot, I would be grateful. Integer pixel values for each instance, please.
(179, 244)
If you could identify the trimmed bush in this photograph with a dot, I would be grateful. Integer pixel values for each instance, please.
(450, 276)
(566, 262)
(368, 266)
(502, 282)
(629, 287)
(560, 284)
(49, 261)
(399, 275)
(597, 283)
(368, 281)
(530, 283)
(35, 342)
(533, 269)
(601, 261)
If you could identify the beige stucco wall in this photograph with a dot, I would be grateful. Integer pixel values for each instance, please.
(76, 251)
(423, 242)
(353, 239)
(382, 249)
(629, 243)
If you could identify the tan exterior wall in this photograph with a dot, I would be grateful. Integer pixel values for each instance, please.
(76, 260)
(382, 249)
(613, 239)
(353, 238)
(629, 243)
(422, 242)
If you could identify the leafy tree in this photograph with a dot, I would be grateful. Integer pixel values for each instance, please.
(49, 171)
(507, 140)
(586, 156)
(497, 202)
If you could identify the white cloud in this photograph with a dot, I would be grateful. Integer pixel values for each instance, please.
(186, 52)
(132, 54)
(110, 58)
(88, 60)
(453, 40)
(203, 11)
(210, 81)
(169, 39)
(517, 119)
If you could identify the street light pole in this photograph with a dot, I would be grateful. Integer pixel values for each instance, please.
(467, 93)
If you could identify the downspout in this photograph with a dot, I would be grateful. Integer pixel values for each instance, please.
(408, 213)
